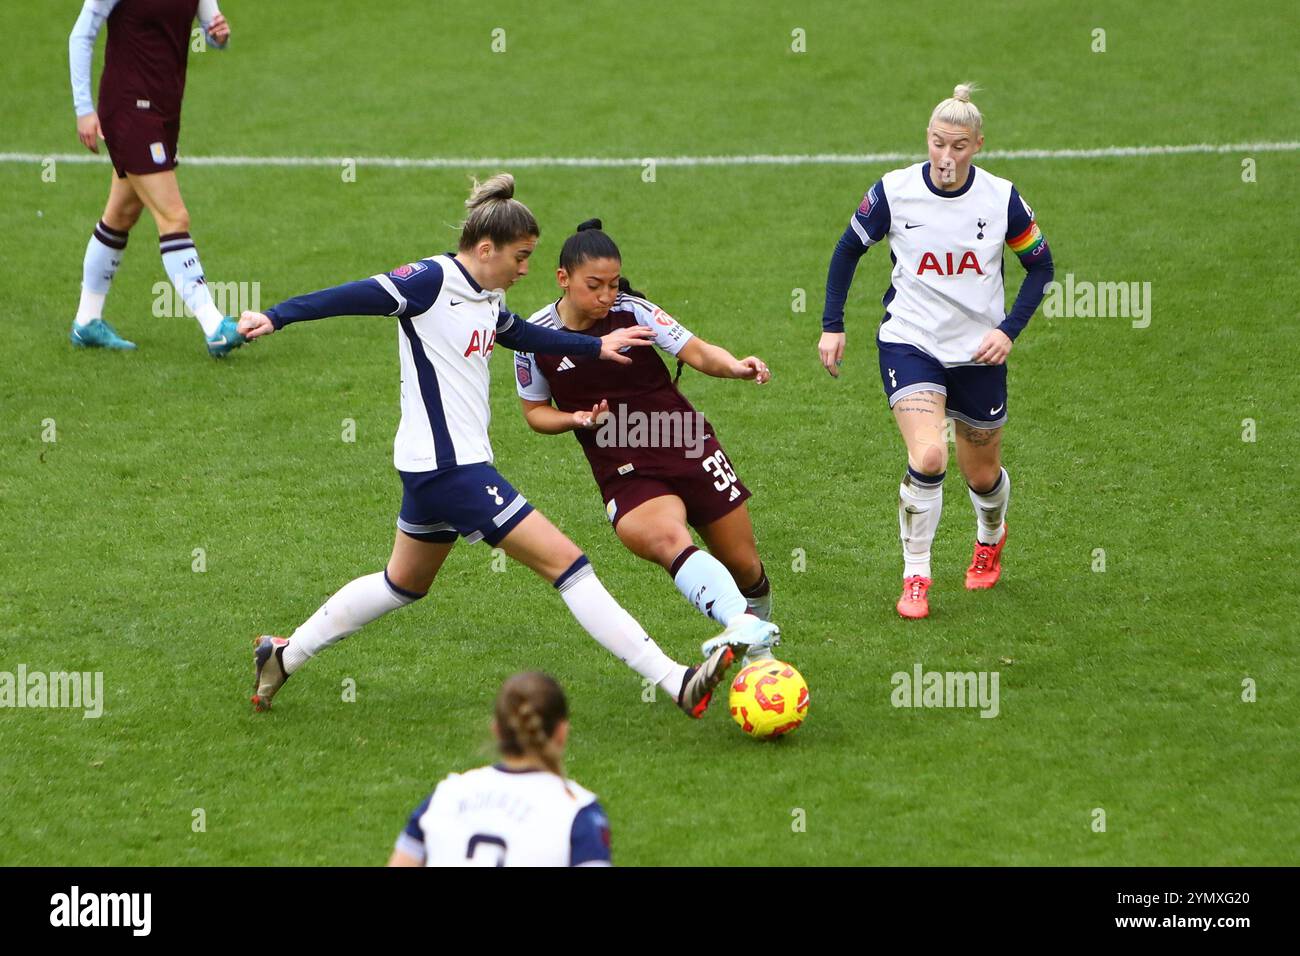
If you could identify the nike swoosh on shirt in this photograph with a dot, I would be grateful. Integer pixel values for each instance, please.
(454, 302)
(913, 225)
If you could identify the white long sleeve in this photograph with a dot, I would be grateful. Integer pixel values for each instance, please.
(81, 51)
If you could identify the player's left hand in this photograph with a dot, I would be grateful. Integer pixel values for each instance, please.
(219, 30)
(994, 349)
(753, 367)
(253, 325)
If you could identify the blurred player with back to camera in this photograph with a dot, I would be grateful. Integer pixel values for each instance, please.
(451, 315)
(139, 119)
(521, 811)
(945, 337)
(656, 491)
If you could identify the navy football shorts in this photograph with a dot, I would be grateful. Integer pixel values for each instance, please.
(470, 501)
(976, 394)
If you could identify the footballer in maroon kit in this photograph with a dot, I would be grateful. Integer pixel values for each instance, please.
(139, 119)
(657, 460)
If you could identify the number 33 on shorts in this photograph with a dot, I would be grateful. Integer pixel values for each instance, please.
(718, 466)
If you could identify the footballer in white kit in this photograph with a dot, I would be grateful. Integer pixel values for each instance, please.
(496, 816)
(945, 334)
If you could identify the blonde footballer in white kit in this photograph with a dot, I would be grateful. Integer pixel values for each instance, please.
(945, 336)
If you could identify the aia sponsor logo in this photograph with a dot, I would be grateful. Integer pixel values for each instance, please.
(482, 342)
(930, 262)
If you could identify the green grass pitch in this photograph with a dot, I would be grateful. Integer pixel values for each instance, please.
(1120, 689)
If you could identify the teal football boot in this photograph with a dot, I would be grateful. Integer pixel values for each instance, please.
(98, 334)
(226, 339)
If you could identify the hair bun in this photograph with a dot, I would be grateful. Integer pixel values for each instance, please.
(962, 91)
(500, 186)
(589, 224)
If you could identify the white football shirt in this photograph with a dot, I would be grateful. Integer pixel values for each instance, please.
(446, 332)
(946, 289)
(494, 816)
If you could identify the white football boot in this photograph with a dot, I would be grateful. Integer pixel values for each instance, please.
(749, 635)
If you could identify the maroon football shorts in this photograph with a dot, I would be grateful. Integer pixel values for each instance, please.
(707, 485)
(140, 141)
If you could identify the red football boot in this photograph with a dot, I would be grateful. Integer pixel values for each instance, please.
(914, 604)
(986, 565)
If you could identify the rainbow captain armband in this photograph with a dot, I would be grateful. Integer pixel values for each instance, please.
(1028, 243)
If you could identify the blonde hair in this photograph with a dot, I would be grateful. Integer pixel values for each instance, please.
(529, 708)
(495, 214)
(958, 110)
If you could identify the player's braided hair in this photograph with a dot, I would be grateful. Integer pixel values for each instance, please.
(958, 110)
(495, 214)
(591, 242)
(529, 708)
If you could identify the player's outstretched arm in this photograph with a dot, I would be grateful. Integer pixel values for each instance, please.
(363, 297)
(716, 361)
(520, 336)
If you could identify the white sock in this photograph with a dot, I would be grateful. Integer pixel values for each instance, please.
(991, 509)
(90, 307)
(920, 502)
(103, 256)
(181, 263)
(706, 583)
(617, 631)
(352, 607)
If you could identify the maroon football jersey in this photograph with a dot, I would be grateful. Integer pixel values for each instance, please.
(145, 56)
(664, 446)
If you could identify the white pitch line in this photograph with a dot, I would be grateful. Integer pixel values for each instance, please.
(589, 162)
